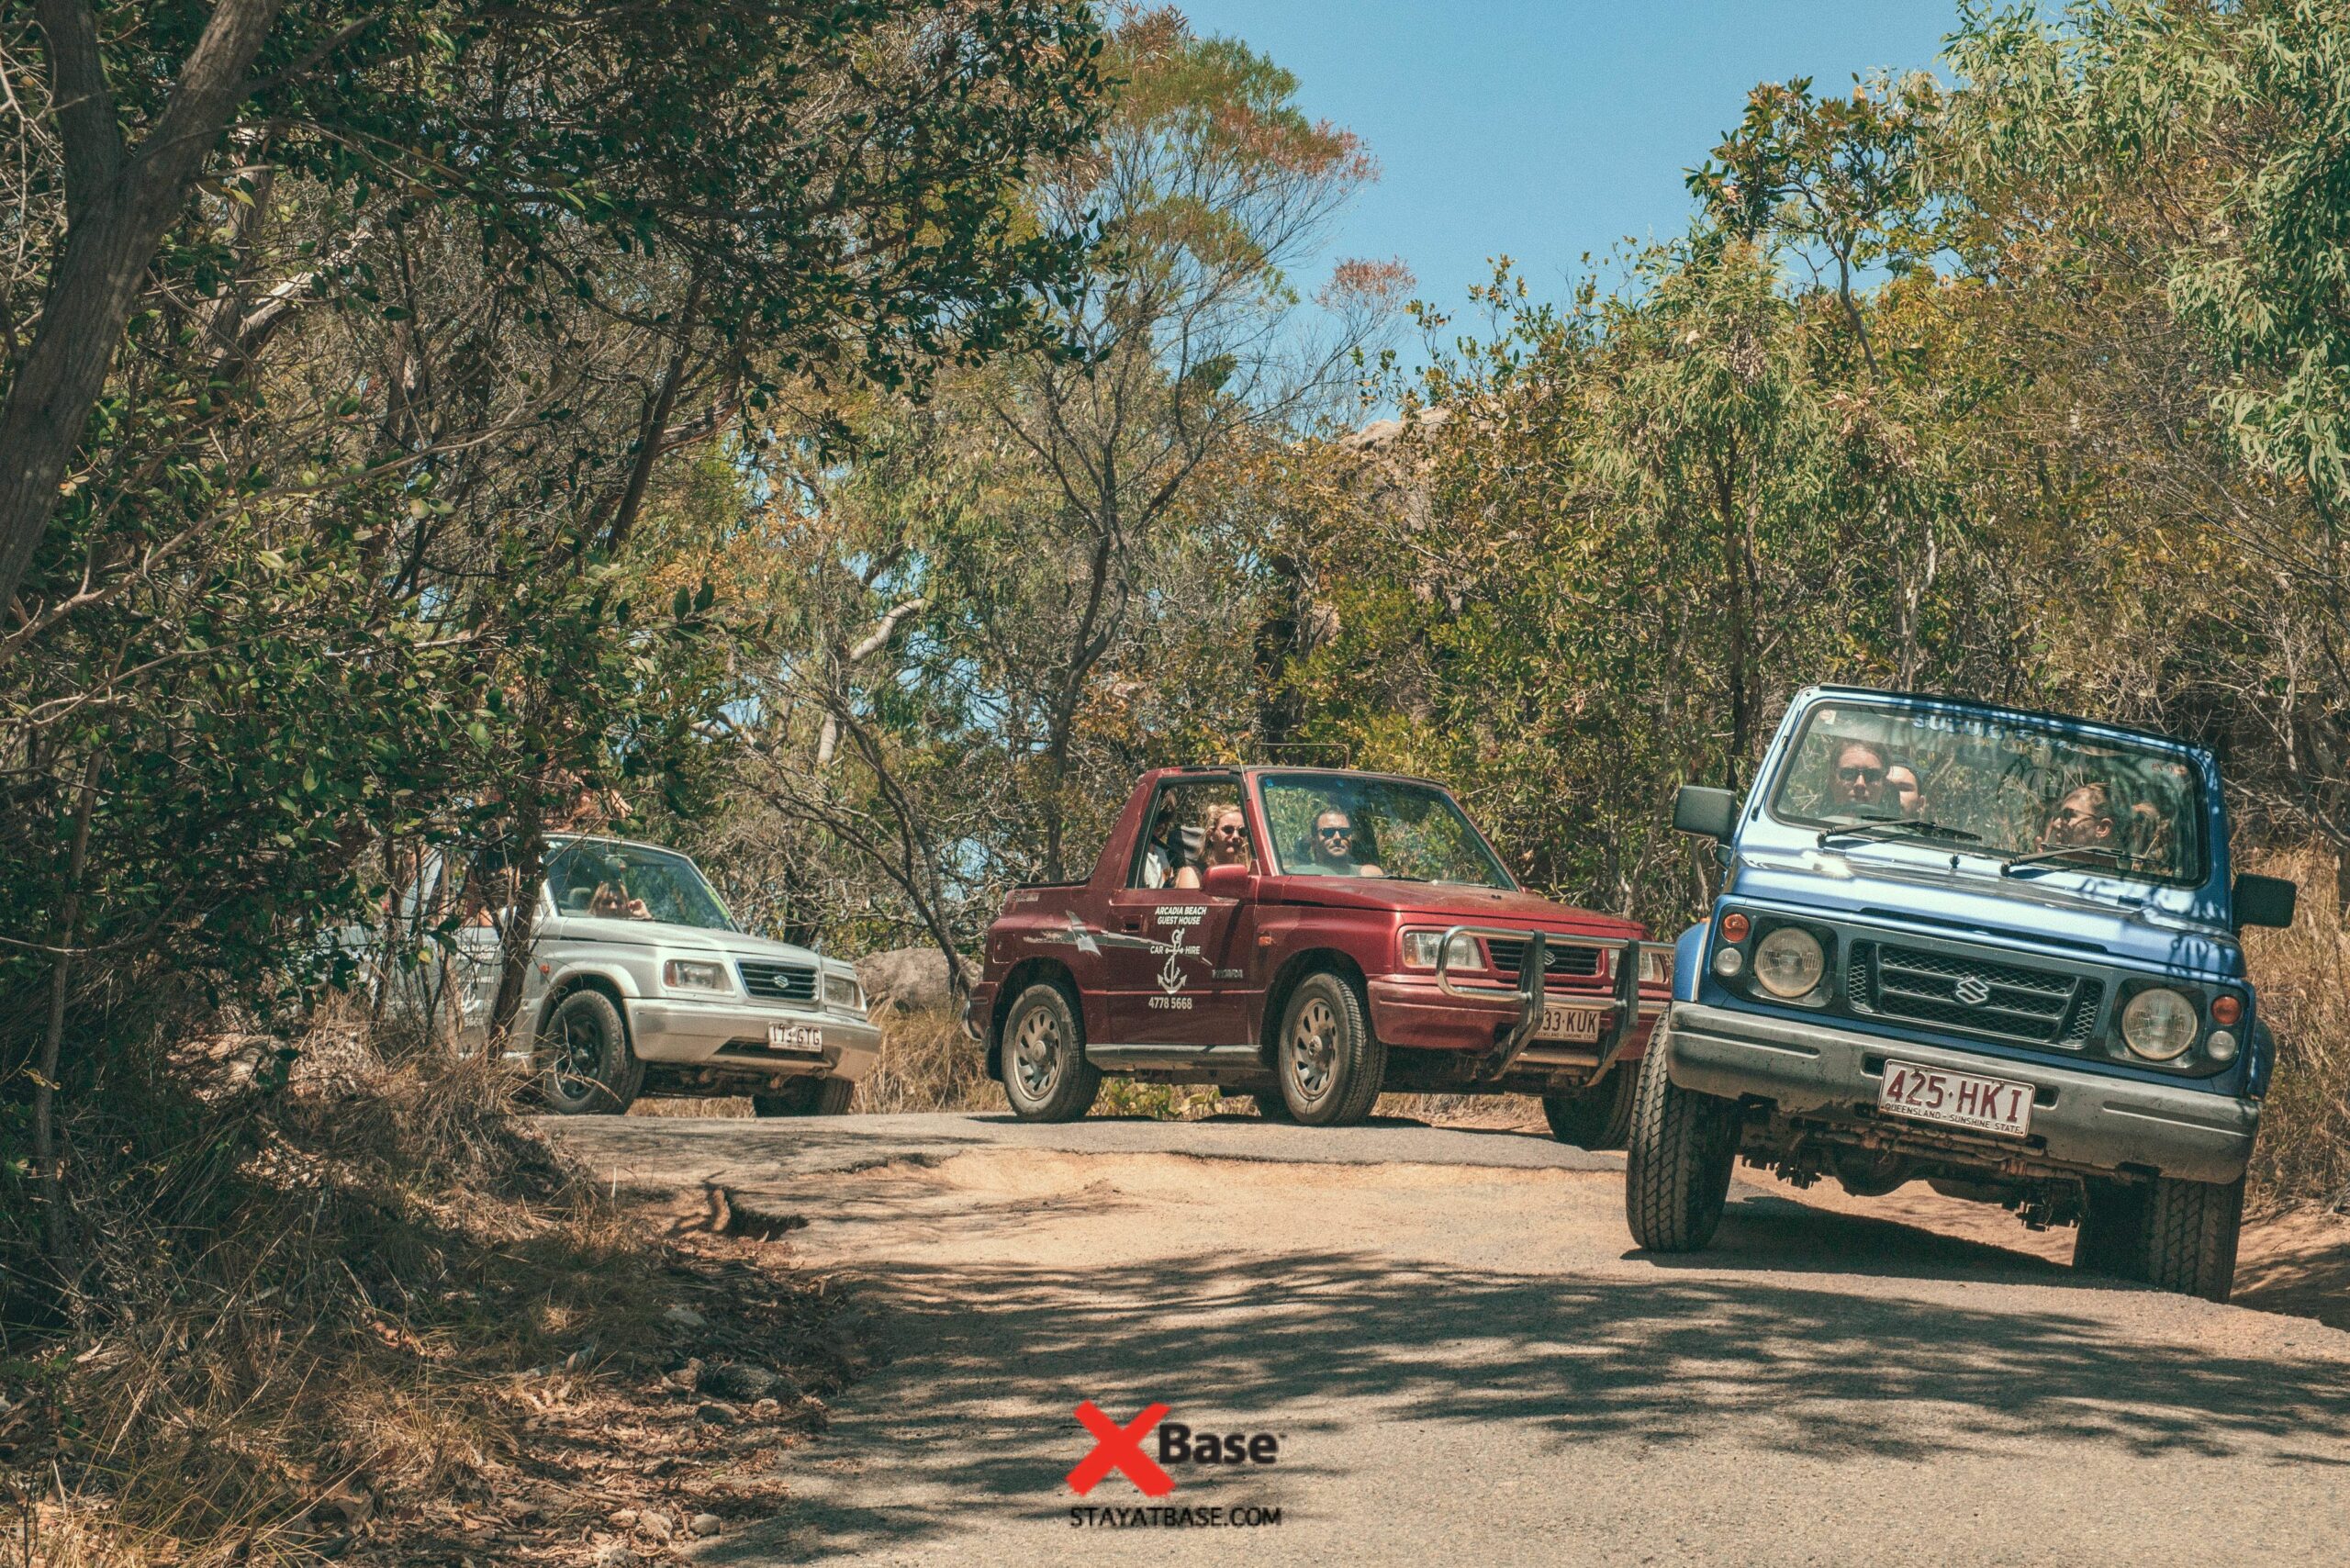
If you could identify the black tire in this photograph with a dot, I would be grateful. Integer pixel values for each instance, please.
(2112, 1238)
(587, 1069)
(1677, 1160)
(1330, 1063)
(1598, 1116)
(805, 1097)
(1046, 1075)
(2191, 1232)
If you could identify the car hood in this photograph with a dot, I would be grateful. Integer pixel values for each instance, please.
(2020, 910)
(686, 939)
(1453, 904)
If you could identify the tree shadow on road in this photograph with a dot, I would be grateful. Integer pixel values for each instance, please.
(976, 1414)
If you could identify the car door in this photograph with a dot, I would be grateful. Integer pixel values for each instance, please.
(477, 959)
(1171, 976)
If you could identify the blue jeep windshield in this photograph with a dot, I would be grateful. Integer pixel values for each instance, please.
(610, 880)
(1992, 785)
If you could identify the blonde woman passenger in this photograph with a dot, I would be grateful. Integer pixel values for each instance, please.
(1224, 842)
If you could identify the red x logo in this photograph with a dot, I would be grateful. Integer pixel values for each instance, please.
(1120, 1447)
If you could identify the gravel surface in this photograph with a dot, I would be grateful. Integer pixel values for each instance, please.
(1460, 1352)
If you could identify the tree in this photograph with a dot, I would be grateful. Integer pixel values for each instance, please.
(833, 180)
(351, 540)
(971, 621)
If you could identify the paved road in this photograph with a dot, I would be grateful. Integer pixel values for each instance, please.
(1465, 1360)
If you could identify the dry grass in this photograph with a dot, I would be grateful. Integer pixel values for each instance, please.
(926, 1064)
(369, 1317)
(2303, 976)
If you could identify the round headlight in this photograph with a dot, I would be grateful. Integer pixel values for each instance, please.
(2159, 1023)
(2221, 1046)
(1789, 963)
(1728, 961)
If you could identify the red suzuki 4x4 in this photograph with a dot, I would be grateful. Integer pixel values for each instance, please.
(1311, 938)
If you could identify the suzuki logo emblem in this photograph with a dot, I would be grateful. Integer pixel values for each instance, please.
(1972, 990)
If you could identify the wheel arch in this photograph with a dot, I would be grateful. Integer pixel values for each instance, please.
(1019, 978)
(579, 980)
(1310, 961)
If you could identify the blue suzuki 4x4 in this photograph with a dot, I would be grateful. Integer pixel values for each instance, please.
(1989, 949)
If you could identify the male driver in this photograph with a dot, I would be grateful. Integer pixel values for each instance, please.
(1856, 776)
(2084, 819)
(1333, 848)
(1902, 790)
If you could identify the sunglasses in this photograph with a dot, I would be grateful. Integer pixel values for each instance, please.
(1336, 831)
(1859, 775)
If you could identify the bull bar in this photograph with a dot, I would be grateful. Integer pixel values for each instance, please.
(1532, 991)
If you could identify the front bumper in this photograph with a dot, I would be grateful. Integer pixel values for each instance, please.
(2079, 1119)
(734, 1035)
(1419, 1014)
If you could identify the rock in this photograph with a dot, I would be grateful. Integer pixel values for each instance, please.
(708, 1524)
(683, 1316)
(766, 1410)
(614, 1554)
(907, 979)
(717, 1413)
(622, 1518)
(657, 1526)
(734, 1380)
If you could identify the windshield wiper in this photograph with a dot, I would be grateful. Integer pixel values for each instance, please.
(2049, 857)
(1897, 827)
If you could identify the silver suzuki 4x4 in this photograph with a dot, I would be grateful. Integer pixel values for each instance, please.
(640, 982)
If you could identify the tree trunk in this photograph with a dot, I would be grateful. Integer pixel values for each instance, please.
(520, 929)
(1281, 709)
(56, 1237)
(1738, 568)
(118, 207)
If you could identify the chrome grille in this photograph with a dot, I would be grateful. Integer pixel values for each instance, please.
(1558, 957)
(1973, 995)
(778, 982)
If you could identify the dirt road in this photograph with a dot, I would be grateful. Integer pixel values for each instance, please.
(1463, 1358)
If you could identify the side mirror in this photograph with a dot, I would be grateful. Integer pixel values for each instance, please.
(2265, 900)
(1713, 812)
(1228, 881)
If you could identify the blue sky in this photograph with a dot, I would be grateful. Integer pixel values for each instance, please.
(1544, 132)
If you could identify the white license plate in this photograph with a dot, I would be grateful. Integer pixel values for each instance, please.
(795, 1037)
(1562, 1021)
(1955, 1099)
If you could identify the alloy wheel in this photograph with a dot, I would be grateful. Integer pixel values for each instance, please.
(1313, 1048)
(1036, 1053)
(580, 1055)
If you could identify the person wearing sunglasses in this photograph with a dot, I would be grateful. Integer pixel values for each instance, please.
(2084, 819)
(1333, 849)
(1223, 842)
(1856, 776)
